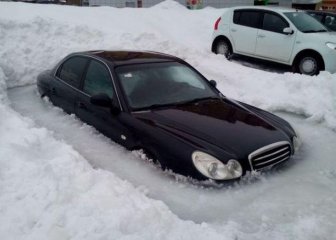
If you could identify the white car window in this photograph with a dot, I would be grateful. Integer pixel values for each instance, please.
(274, 23)
(248, 18)
(305, 23)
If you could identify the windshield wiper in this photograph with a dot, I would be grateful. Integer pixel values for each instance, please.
(155, 106)
(315, 31)
(164, 105)
(195, 100)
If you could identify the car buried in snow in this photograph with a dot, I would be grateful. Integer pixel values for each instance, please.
(161, 104)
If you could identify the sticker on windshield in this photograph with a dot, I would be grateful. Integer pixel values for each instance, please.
(128, 75)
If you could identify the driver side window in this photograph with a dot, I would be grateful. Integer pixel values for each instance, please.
(98, 80)
(274, 23)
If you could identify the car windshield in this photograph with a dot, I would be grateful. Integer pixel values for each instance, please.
(305, 23)
(162, 84)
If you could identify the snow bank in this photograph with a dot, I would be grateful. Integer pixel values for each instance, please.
(170, 5)
(38, 36)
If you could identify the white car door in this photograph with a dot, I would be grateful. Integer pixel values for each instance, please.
(272, 42)
(244, 30)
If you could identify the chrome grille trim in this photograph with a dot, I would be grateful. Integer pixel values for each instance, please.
(270, 155)
(271, 165)
(273, 159)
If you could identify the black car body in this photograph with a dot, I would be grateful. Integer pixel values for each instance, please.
(222, 134)
(328, 19)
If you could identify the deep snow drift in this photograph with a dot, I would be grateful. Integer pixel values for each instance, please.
(60, 179)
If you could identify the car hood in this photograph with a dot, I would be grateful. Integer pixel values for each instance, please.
(323, 36)
(221, 122)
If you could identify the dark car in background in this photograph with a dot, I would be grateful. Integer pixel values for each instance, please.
(161, 104)
(328, 19)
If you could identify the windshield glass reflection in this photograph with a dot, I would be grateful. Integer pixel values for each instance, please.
(162, 84)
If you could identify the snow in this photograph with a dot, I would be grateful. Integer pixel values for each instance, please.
(169, 5)
(61, 179)
(267, 206)
(48, 190)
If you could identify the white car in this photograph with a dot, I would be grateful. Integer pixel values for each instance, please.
(280, 35)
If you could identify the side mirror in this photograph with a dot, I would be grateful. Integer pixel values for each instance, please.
(213, 83)
(288, 31)
(101, 99)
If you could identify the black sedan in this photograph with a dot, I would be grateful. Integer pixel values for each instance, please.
(328, 19)
(161, 104)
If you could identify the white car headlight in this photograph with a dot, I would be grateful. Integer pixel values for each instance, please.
(212, 168)
(331, 45)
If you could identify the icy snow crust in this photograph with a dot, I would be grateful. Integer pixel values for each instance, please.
(60, 179)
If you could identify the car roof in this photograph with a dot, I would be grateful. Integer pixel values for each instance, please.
(123, 57)
(271, 8)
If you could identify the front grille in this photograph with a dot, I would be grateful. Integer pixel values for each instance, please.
(270, 155)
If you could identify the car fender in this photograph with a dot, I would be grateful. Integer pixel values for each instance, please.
(173, 146)
(316, 43)
(224, 29)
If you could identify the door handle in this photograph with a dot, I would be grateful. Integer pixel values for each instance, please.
(81, 105)
(261, 36)
(233, 30)
(53, 91)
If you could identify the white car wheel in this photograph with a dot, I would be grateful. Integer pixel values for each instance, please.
(223, 48)
(308, 66)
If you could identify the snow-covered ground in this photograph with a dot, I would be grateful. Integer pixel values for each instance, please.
(60, 179)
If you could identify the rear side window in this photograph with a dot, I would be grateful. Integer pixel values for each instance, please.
(72, 70)
(274, 23)
(98, 80)
(247, 18)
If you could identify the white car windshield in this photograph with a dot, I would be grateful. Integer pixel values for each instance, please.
(161, 84)
(305, 23)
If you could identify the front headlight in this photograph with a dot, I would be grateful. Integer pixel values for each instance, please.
(331, 45)
(212, 168)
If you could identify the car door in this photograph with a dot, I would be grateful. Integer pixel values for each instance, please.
(272, 42)
(66, 83)
(244, 29)
(96, 80)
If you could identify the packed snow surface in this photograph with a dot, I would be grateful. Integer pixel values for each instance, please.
(60, 179)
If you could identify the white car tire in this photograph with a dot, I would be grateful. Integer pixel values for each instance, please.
(309, 64)
(223, 47)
